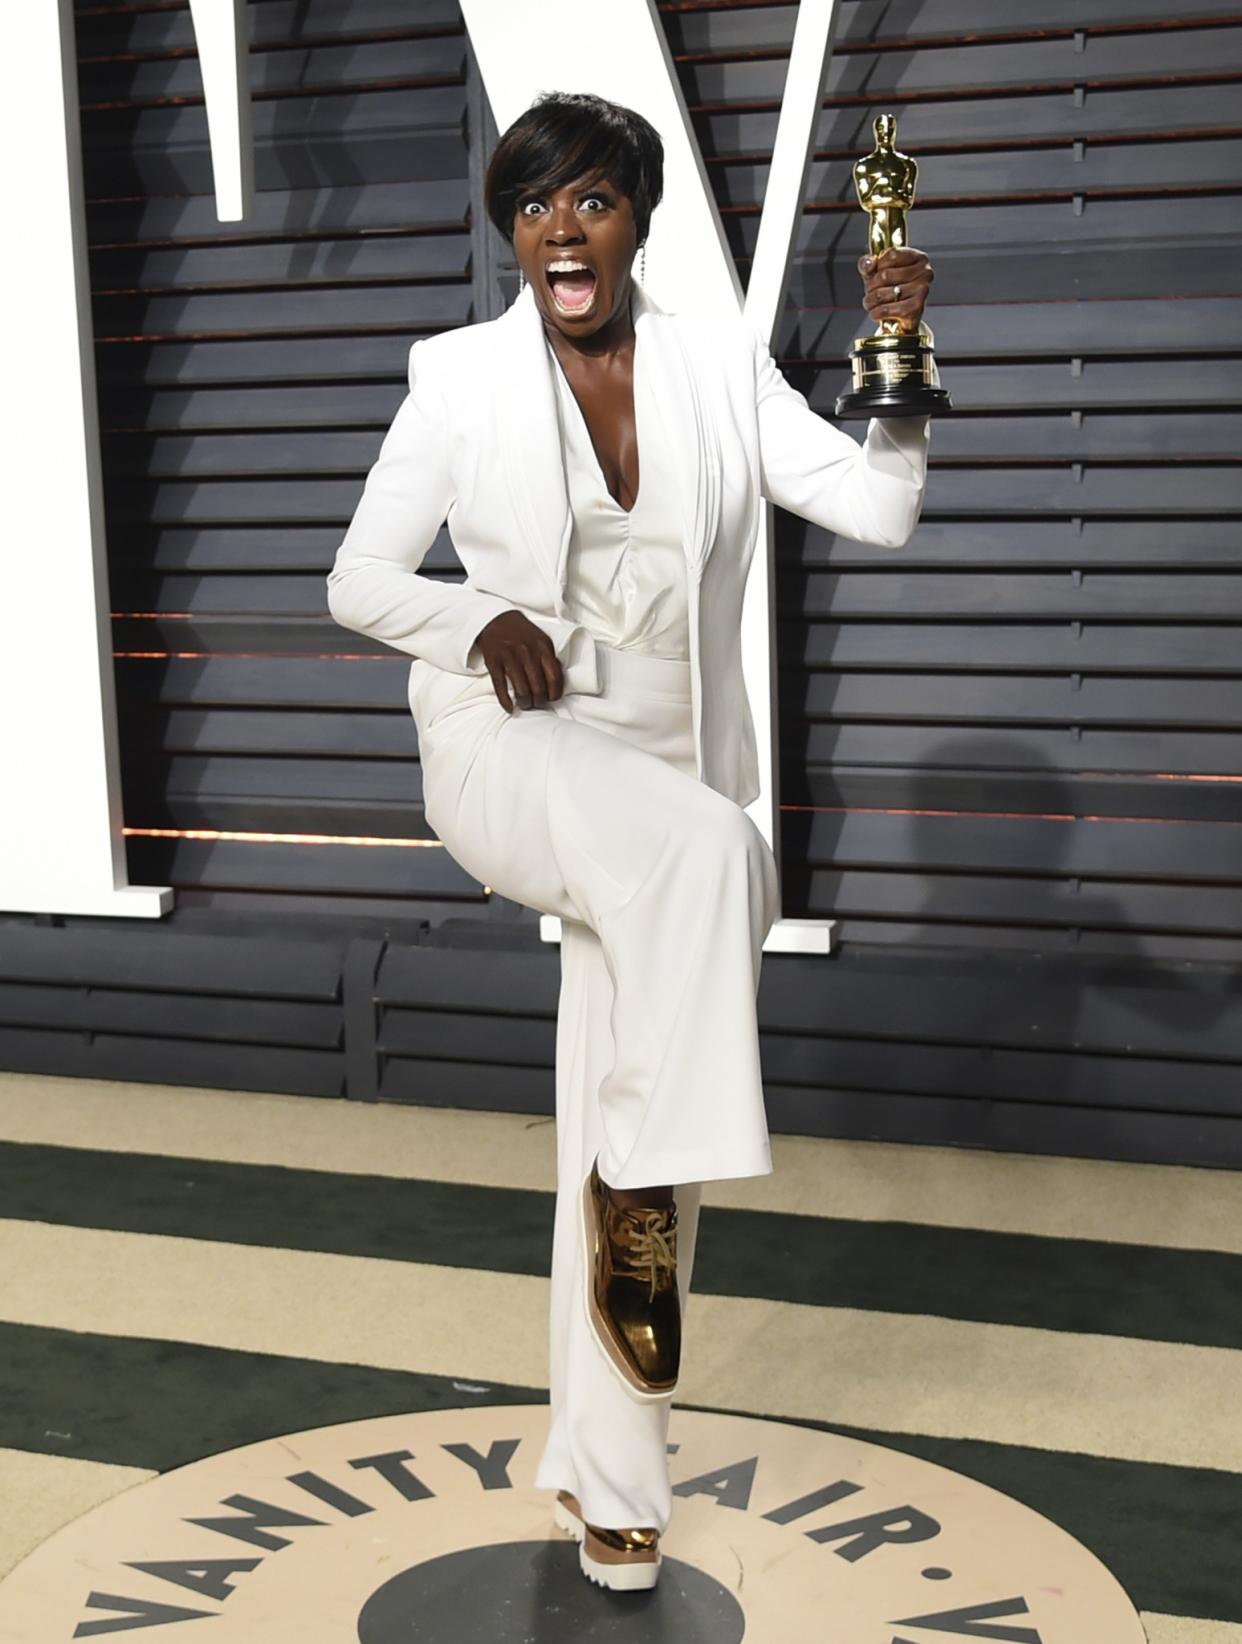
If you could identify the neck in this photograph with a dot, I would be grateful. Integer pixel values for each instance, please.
(615, 336)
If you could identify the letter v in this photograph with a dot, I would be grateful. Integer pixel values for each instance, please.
(139, 1612)
(541, 45)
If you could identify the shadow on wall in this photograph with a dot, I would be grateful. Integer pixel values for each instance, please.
(1117, 1026)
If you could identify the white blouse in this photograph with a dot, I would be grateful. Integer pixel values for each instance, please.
(626, 572)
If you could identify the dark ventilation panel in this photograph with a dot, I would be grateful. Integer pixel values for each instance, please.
(1011, 757)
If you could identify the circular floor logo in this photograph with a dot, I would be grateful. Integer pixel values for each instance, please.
(428, 1527)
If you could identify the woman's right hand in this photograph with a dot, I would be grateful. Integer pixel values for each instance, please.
(520, 654)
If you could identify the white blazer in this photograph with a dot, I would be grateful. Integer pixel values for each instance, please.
(476, 442)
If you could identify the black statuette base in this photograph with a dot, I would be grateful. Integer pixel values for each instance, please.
(894, 375)
(903, 400)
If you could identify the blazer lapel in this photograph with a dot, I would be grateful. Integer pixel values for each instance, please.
(689, 425)
(530, 439)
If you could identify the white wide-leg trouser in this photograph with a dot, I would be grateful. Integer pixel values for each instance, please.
(590, 809)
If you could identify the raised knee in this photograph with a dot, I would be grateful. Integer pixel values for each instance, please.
(731, 843)
(728, 834)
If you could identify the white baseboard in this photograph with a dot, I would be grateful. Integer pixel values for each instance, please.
(786, 935)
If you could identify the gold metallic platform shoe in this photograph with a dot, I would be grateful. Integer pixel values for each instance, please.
(625, 1560)
(631, 1289)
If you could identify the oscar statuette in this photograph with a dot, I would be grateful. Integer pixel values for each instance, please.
(895, 372)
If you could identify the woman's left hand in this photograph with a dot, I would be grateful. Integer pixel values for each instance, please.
(896, 285)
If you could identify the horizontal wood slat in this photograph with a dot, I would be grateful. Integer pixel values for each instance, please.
(1189, 852)
(340, 309)
(1065, 748)
(256, 362)
(1065, 594)
(999, 699)
(270, 683)
(167, 962)
(294, 779)
(1010, 900)
(399, 872)
(956, 229)
(1074, 541)
(302, 215)
(1093, 647)
(947, 783)
(1037, 116)
(326, 262)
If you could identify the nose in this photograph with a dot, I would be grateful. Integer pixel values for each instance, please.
(563, 224)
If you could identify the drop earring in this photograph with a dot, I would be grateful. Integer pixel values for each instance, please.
(521, 282)
(642, 263)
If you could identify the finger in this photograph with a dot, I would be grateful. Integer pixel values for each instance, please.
(895, 298)
(518, 682)
(908, 313)
(907, 275)
(888, 279)
(910, 277)
(536, 684)
(500, 685)
(888, 297)
(894, 255)
(553, 674)
(896, 291)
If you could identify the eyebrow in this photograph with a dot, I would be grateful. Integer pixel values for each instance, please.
(598, 185)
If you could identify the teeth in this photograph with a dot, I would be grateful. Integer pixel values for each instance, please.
(566, 265)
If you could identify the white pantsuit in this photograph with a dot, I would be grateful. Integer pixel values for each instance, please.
(589, 809)
(618, 807)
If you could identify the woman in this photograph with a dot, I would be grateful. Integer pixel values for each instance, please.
(585, 738)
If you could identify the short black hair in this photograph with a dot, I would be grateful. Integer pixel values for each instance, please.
(565, 135)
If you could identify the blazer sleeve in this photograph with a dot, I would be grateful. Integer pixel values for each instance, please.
(374, 586)
(872, 492)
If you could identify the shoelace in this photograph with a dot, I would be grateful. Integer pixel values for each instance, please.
(653, 1248)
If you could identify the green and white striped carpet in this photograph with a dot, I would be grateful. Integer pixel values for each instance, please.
(187, 1271)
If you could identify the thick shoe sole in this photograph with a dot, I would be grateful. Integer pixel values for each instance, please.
(634, 1576)
(569, 1521)
(629, 1377)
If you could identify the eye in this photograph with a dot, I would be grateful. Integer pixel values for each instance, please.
(528, 208)
(601, 200)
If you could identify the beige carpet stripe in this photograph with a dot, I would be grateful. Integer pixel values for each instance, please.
(39, 1494)
(1176, 1629)
(867, 1181)
(1137, 1400)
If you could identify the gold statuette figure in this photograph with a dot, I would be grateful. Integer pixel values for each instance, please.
(895, 372)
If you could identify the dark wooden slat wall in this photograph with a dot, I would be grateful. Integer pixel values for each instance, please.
(1010, 754)
(996, 719)
(1011, 751)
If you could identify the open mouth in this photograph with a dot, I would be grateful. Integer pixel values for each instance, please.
(572, 285)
